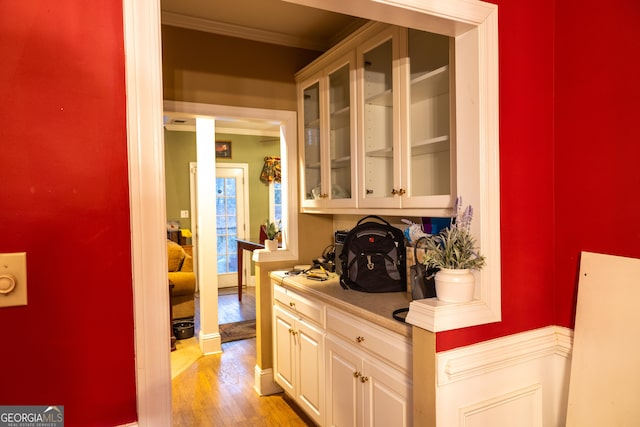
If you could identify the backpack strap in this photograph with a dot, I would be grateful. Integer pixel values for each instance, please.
(373, 217)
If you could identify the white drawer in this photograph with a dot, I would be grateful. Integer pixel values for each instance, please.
(381, 342)
(298, 304)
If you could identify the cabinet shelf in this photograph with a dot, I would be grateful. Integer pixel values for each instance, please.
(384, 152)
(341, 162)
(383, 99)
(312, 124)
(430, 84)
(313, 165)
(431, 145)
(340, 118)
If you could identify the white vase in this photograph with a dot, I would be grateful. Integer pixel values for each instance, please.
(455, 285)
(271, 245)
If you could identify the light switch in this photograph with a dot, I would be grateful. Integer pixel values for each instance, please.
(184, 214)
(13, 279)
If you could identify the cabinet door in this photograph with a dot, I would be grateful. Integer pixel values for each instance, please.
(387, 396)
(378, 79)
(344, 390)
(428, 172)
(309, 105)
(340, 143)
(284, 349)
(310, 370)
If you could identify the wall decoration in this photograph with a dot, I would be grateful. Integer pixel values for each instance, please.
(223, 149)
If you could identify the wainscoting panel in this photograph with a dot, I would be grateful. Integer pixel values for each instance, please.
(518, 380)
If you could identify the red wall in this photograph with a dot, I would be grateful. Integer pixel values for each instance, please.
(569, 101)
(64, 201)
(569, 147)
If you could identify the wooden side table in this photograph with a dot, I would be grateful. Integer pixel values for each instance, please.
(249, 245)
(173, 337)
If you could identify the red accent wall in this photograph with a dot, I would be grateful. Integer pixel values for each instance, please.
(64, 201)
(569, 138)
(569, 147)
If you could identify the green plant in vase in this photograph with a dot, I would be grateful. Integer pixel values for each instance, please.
(273, 231)
(455, 253)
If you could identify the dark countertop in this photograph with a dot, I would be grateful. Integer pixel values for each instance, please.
(377, 308)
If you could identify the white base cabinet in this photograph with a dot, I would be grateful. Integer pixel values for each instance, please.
(362, 391)
(299, 355)
(340, 369)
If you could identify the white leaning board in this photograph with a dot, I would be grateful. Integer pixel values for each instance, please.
(604, 388)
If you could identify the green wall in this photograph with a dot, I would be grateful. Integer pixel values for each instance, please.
(180, 149)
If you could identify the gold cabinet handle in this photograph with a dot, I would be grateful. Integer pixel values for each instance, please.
(292, 304)
(356, 374)
(401, 192)
(364, 379)
(359, 339)
(394, 191)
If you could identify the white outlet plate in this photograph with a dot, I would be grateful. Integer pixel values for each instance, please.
(184, 214)
(13, 267)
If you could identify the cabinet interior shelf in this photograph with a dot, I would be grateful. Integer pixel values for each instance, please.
(383, 99)
(341, 162)
(430, 84)
(426, 146)
(340, 118)
(312, 124)
(432, 145)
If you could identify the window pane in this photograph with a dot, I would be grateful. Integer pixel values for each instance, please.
(222, 264)
(230, 187)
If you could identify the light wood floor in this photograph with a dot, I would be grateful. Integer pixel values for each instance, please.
(217, 390)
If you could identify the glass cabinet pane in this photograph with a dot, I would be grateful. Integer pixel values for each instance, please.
(378, 121)
(312, 178)
(340, 133)
(430, 123)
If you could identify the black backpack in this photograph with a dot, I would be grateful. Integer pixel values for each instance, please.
(374, 258)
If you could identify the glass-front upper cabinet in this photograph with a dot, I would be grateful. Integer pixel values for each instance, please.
(428, 181)
(379, 125)
(406, 146)
(329, 139)
(312, 176)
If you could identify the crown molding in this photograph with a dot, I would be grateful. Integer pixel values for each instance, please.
(222, 28)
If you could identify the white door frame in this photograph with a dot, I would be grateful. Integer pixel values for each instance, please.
(144, 109)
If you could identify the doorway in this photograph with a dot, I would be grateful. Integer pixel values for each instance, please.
(232, 213)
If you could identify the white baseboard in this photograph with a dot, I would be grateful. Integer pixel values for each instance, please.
(264, 383)
(520, 379)
(210, 343)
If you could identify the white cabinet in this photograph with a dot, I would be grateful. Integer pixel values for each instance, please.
(405, 120)
(299, 352)
(364, 392)
(368, 374)
(325, 102)
(389, 128)
(340, 369)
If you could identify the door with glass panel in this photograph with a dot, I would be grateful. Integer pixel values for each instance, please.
(328, 136)
(379, 120)
(428, 172)
(230, 220)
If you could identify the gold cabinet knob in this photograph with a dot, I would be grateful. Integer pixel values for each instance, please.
(359, 339)
(364, 379)
(356, 374)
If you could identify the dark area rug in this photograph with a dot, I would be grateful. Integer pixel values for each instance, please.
(238, 330)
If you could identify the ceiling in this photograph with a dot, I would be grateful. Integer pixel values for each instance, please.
(270, 21)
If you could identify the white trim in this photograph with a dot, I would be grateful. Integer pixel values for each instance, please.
(521, 379)
(148, 211)
(225, 29)
(478, 359)
(288, 156)
(264, 383)
(146, 164)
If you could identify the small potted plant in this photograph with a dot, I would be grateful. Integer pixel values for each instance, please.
(273, 231)
(454, 252)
